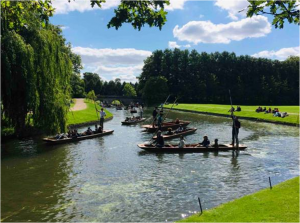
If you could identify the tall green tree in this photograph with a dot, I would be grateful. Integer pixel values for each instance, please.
(129, 90)
(155, 90)
(92, 82)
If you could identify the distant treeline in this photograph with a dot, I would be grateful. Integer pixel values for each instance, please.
(92, 82)
(206, 78)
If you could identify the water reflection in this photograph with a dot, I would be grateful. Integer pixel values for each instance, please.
(111, 179)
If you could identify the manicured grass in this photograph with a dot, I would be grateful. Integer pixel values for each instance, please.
(87, 115)
(247, 111)
(281, 204)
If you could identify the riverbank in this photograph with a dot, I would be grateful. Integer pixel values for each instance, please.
(248, 112)
(281, 204)
(87, 116)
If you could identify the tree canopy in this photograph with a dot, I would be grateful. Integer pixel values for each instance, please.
(206, 78)
(281, 10)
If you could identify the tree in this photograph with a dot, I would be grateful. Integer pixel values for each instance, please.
(137, 13)
(92, 82)
(129, 90)
(155, 90)
(91, 95)
(77, 85)
(281, 10)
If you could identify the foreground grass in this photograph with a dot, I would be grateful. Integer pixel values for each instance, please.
(247, 111)
(281, 204)
(87, 115)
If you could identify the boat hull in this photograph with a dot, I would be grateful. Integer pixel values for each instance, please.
(53, 141)
(177, 135)
(190, 148)
(166, 125)
(133, 123)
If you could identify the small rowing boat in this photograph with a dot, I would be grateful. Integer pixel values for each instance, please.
(119, 108)
(189, 148)
(133, 111)
(166, 125)
(54, 141)
(133, 122)
(178, 134)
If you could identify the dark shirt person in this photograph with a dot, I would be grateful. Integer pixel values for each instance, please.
(160, 121)
(154, 114)
(159, 140)
(236, 125)
(205, 141)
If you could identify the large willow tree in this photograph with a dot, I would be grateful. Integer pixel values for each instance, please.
(36, 68)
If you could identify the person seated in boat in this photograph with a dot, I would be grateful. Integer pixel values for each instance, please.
(159, 140)
(216, 145)
(238, 108)
(181, 142)
(89, 131)
(75, 134)
(205, 141)
(100, 130)
(169, 132)
(177, 121)
(127, 119)
(180, 129)
(70, 133)
(96, 129)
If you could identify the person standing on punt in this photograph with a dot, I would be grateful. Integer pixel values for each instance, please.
(236, 125)
(160, 120)
(154, 114)
(102, 115)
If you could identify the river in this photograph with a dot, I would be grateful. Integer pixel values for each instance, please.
(111, 179)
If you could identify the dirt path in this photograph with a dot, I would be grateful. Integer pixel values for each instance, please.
(79, 105)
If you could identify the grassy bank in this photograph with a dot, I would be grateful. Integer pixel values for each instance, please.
(281, 204)
(87, 115)
(247, 111)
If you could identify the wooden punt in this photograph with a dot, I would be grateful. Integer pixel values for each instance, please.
(54, 141)
(133, 122)
(119, 108)
(133, 111)
(189, 148)
(177, 135)
(166, 125)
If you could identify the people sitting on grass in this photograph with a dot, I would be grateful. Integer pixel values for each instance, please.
(259, 109)
(284, 114)
(238, 108)
(275, 110)
(268, 111)
(265, 109)
(181, 142)
(277, 114)
(169, 132)
(205, 141)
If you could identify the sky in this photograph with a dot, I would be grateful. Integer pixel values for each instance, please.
(206, 26)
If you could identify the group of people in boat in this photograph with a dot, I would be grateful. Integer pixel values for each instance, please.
(73, 133)
(275, 112)
(159, 142)
(133, 119)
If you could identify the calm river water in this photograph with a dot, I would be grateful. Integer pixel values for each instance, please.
(111, 179)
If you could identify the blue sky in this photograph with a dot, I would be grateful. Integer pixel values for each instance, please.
(208, 26)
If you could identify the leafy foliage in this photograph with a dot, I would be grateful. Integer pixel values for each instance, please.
(77, 85)
(129, 90)
(91, 95)
(155, 90)
(281, 10)
(206, 78)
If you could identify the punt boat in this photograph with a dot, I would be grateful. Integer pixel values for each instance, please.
(55, 141)
(177, 135)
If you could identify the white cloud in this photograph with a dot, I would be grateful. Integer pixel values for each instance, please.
(281, 54)
(233, 7)
(208, 32)
(64, 7)
(201, 16)
(173, 44)
(64, 27)
(127, 78)
(175, 4)
(113, 63)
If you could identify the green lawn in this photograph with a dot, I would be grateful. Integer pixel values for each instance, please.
(247, 111)
(87, 115)
(281, 204)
